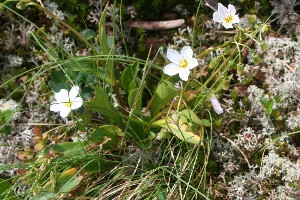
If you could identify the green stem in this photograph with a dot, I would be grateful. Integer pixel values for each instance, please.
(204, 53)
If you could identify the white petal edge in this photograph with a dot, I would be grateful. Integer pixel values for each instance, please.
(171, 69)
(192, 63)
(184, 74)
(222, 9)
(173, 56)
(217, 17)
(55, 106)
(64, 111)
(186, 52)
(62, 96)
(227, 25)
(73, 92)
(236, 19)
(77, 103)
(231, 9)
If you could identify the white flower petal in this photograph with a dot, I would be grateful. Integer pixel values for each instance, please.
(225, 16)
(227, 25)
(192, 63)
(222, 9)
(62, 96)
(64, 111)
(184, 74)
(217, 17)
(231, 9)
(77, 103)
(236, 19)
(171, 69)
(186, 52)
(55, 106)
(73, 92)
(173, 56)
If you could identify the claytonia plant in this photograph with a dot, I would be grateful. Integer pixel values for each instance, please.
(66, 101)
(181, 63)
(225, 16)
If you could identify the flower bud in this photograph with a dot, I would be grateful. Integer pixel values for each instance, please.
(216, 105)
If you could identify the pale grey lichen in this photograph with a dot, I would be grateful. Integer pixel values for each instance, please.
(182, 37)
(249, 139)
(14, 61)
(293, 121)
(268, 126)
(282, 71)
(255, 94)
(280, 193)
(53, 7)
(245, 186)
(275, 166)
(223, 151)
(96, 9)
(10, 105)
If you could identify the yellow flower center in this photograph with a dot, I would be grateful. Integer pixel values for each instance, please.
(69, 104)
(183, 63)
(228, 19)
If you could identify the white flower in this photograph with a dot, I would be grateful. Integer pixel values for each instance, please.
(181, 63)
(66, 101)
(217, 107)
(225, 16)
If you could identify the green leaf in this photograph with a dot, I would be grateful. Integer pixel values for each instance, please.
(102, 32)
(58, 81)
(204, 122)
(268, 104)
(67, 180)
(181, 132)
(70, 185)
(187, 116)
(7, 115)
(88, 34)
(161, 194)
(83, 65)
(129, 76)
(97, 135)
(164, 93)
(65, 176)
(86, 92)
(109, 131)
(256, 59)
(99, 165)
(163, 134)
(81, 126)
(44, 195)
(6, 192)
(102, 105)
(87, 116)
(225, 84)
(105, 46)
(110, 41)
(240, 68)
(145, 143)
(131, 97)
(264, 45)
(215, 62)
(67, 148)
(138, 129)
